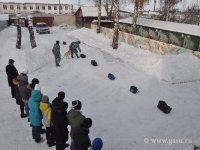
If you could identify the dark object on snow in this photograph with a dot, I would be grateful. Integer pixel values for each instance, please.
(196, 147)
(111, 76)
(64, 43)
(94, 63)
(82, 55)
(97, 144)
(162, 105)
(134, 89)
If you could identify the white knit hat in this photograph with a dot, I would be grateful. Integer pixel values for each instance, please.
(37, 87)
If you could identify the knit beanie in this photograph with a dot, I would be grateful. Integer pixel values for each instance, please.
(97, 144)
(87, 123)
(76, 104)
(45, 99)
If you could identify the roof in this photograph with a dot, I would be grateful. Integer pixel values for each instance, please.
(89, 11)
(166, 25)
(38, 1)
(102, 21)
(4, 17)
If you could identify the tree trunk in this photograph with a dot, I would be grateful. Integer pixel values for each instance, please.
(99, 16)
(18, 44)
(134, 17)
(154, 8)
(116, 27)
(111, 10)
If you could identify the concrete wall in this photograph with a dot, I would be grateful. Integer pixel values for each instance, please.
(64, 19)
(145, 43)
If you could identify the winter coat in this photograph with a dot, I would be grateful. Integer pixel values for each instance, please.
(12, 73)
(24, 88)
(59, 119)
(17, 94)
(75, 118)
(46, 113)
(56, 50)
(74, 46)
(81, 138)
(35, 114)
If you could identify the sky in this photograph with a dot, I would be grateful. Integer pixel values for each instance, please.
(181, 5)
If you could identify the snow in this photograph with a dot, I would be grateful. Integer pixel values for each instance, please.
(4, 17)
(165, 25)
(123, 120)
(93, 11)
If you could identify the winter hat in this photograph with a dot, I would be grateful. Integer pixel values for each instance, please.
(25, 71)
(45, 99)
(61, 95)
(10, 61)
(35, 81)
(37, 87)
(97, 144)
(76, 104)
(87, 123)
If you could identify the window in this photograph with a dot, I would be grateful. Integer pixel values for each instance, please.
(24, 7)
(31, 7)
(18, 7)
(55, 7)
(43, 7)
(11, 7)
(37, 7)
(4, 6)
(66, 7)
(60, 7)
(49, 7)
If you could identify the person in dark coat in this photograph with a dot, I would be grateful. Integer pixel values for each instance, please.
(56, 52)
(19, 98)
(60, 121)
(75, 119)
(73, 48)
(81, 135)
(12, 73)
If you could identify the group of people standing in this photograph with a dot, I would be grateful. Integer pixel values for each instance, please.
(73, 48)
(54, 117)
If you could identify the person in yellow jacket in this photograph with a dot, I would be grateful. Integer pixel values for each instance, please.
(46, 110)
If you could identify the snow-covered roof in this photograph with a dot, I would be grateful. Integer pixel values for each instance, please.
(93, 11)
(38, 1)
(166, 25)
(102, 21)
(4, 17)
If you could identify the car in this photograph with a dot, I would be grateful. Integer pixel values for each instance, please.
(42, 27)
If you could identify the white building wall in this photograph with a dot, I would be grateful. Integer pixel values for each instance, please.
(15, 10)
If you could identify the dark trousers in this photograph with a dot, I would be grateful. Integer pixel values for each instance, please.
(74, 53)
(60, 144)
(50, 135)
(13, 91)
(36, 133)
(57, 60)
(22, 109)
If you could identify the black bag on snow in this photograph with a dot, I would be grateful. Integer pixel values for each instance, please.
(82, 56)
(134, 89)
(111, 76)
(94, 63)
(162, 105)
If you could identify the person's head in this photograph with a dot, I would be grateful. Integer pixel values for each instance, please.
(79, 42)
(11, 61)
(45, 99)
(57, 42)
(77, 104)
(87, 123)
(61, 95)
(97, 144)
(34, 82)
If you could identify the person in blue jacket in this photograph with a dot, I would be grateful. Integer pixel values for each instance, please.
(35, 113)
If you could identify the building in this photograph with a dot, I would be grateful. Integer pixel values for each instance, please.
(15, 8)
(85, 15)
(183, 35)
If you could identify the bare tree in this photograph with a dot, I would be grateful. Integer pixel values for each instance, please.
(99, 16)
(116, 26)
(154, 5)
(138, 7)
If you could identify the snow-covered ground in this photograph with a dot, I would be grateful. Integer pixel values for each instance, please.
(123, 120)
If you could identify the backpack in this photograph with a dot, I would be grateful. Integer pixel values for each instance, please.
(82, 55)
(94, 63)
(111, 76)
(162, 105)
(134, 89)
